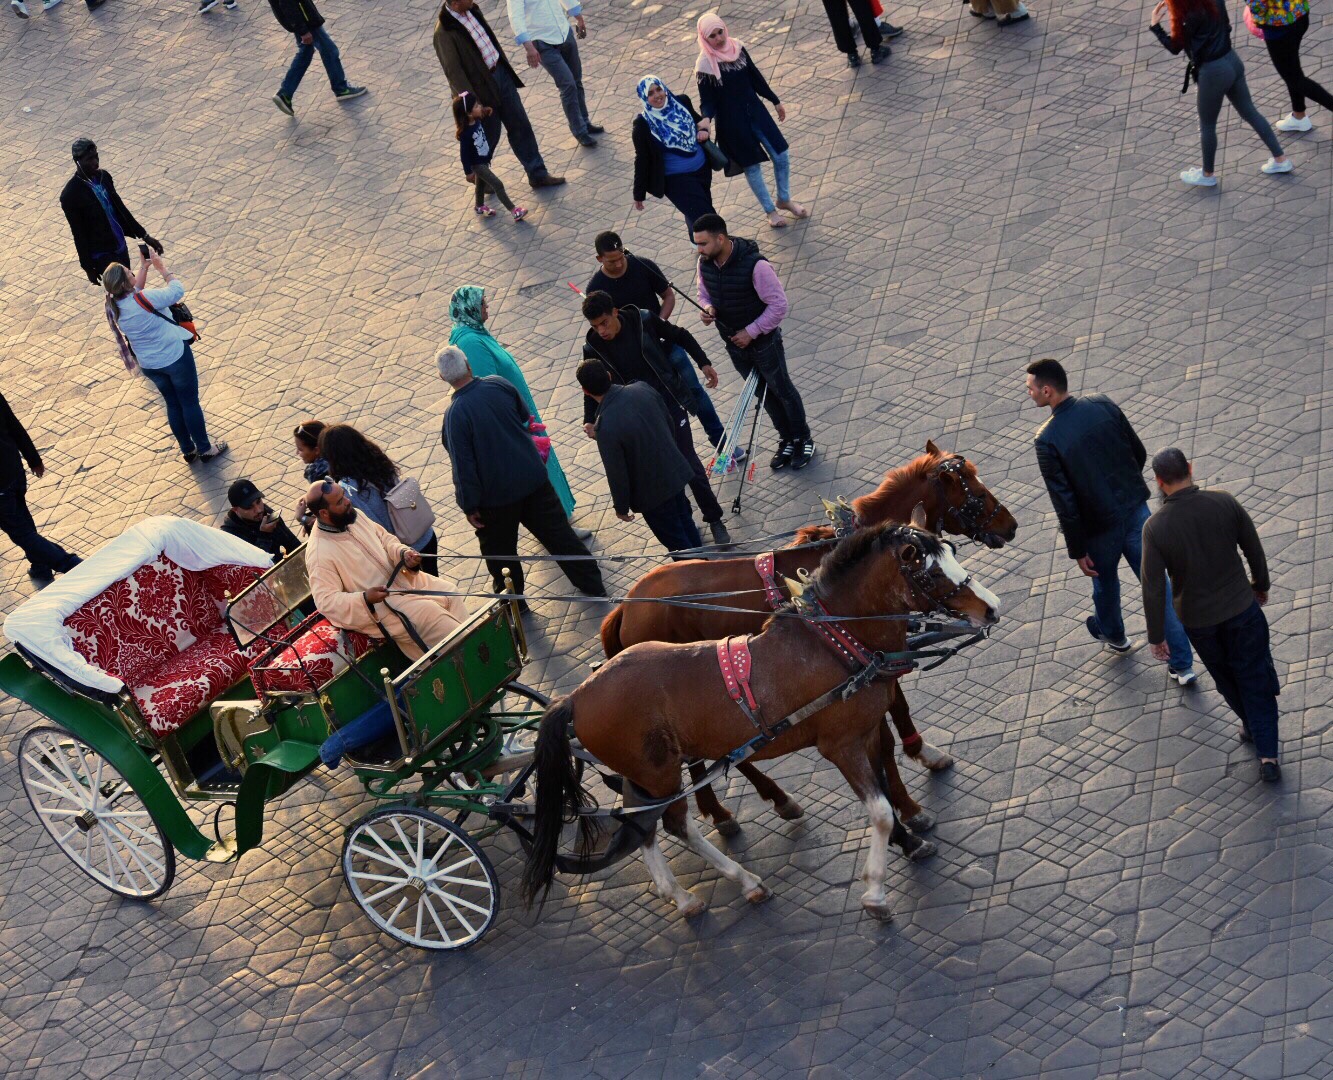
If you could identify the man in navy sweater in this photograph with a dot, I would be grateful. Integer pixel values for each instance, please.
(500, 481)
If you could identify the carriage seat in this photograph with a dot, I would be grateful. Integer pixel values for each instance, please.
(161, 631)
(309, 657)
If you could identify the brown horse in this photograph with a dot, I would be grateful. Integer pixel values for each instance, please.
(955, 500)
(656, 706)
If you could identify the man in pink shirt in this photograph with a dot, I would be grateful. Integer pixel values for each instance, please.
(741, 294)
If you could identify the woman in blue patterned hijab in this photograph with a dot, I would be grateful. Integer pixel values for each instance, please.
(669, 161)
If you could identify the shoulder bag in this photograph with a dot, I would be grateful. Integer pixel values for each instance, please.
(410, 513)
(180, 314)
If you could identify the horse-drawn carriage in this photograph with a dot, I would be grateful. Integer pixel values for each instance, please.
(186, 673)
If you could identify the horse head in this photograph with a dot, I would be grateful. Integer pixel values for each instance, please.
(965, 505)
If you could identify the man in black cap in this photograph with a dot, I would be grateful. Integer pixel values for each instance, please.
(252, 520)
(98, 219)
(47, 559)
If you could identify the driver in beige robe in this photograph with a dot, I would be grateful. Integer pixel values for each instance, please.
(349, 559)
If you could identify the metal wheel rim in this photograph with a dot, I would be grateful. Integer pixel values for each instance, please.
(510, 700)
(93, 814)
(420, 879)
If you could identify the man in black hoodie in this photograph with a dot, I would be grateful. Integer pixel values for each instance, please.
(98, 219)
(302, 18)
(47, 559)
(629, 343)
(251, 519)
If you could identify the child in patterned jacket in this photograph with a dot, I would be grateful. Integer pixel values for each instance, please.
(477, 131)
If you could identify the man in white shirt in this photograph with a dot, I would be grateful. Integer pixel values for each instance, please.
(542, 28)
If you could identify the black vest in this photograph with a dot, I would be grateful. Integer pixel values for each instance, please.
(731, 287)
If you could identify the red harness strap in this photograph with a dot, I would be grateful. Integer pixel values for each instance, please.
(763, 566)
(733, 658)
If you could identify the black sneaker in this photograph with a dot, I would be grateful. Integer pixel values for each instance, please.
(586, 140)
(888, 30)
(41, 573)
(719, 532)
(596, 129)
(853, 60)
(1121, 647)
(783, 457)
(879, 55)
(283, 102)
(1270, 772)
(349, 92)
(207, 5)
(802, 451)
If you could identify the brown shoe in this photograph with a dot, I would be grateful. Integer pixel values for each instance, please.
(546, 180)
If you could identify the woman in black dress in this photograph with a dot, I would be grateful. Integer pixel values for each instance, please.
(730, 87)
(668, 155)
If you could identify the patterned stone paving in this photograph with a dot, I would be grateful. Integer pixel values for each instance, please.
(1114, 894)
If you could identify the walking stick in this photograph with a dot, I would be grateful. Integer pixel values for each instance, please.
(749, 451)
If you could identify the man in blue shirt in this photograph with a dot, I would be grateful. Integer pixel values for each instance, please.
(542, 28)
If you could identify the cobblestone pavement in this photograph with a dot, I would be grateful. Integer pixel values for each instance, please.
(1114, 893)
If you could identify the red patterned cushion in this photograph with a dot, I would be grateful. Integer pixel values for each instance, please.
(186, 682)
(313, 657)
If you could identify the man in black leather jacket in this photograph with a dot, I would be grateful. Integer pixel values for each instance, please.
(1092, 462)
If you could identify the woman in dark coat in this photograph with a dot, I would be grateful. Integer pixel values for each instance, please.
(668, 158)
(730, 87)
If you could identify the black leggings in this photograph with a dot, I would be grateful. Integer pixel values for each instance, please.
(1285, 52)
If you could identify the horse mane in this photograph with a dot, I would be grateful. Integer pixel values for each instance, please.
(873, 508)
(868, 542)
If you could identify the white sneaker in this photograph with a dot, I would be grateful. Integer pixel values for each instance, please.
(20, 8)
(1272, 165)
(1183, 678)
(47, 5)
(1291, 123)
(1196, 177)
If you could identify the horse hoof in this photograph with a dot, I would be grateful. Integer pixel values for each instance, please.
(727, 827)
(940, 764)
(759, 894)
(694, 908)
(790, 810)
(878, 911)
(922, 822)
(922, 851)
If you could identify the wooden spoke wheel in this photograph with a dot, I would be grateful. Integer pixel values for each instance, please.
(420, 878)
(94, 816)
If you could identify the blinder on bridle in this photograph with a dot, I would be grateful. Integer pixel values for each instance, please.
(972, 518)
(921, 578)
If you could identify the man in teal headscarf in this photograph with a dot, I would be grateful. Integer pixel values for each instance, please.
(486, 356)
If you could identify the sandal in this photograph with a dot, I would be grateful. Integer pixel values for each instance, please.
(795, 209)
(218, 447)
(483, 210)
(519, 213)
(777, 220)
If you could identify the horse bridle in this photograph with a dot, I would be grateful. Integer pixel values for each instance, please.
(920, 579)
(970, 522)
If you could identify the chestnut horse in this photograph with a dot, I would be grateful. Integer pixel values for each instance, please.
(656, 706)
(955, 500)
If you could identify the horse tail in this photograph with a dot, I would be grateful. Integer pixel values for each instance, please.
(559, 794)
(611, 643)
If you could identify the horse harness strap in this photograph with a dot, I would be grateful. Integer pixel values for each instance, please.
(735, 663)
(763, 565)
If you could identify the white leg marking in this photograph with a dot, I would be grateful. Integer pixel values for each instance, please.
(665, 884)
(753, 888)
(877, 861)
(933, 758)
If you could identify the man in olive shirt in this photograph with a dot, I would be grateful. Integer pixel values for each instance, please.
(1193, 536)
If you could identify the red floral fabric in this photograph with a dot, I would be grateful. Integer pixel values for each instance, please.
(188, 681)
(315, 655)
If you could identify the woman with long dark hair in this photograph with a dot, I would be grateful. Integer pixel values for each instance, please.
(366, 475)
(1282, 24)
(1201, 29)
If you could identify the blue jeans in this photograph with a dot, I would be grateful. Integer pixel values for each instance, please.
(328, 52)
(703, 404)
(673, 524)
(562, 64)
(1237, 656)
(16, 521)
(781, 173)
(1106, 549)
(179, 385)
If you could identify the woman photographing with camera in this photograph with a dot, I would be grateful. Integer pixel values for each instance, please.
(1201, 30)
(147, 333)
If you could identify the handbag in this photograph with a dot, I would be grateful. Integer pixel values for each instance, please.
(180, 314)
(409, 512)
(714, 155)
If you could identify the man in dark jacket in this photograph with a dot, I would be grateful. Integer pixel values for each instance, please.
(500, 481)
(251, 519)
(46, 559)
(740, 292)
(1192, 540)
(633, 346)
(98, 219)
(1092, 462)
(302, 19)
(645, 471)
(473, 60)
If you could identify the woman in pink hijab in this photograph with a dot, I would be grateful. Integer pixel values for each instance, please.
(730, 86)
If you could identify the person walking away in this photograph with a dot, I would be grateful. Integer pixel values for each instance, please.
(542, 28)
(97, 218)
(1192, 540)
(45, 557)
(302, 19)
(1092, 463)
(477, 129)
(1202, 30)
(632, 346)
(486, 356)
(1004, 12)
(500, 482)
(730, 86)
(633, 281)
(668, 136)
(741, 295)
(645, 471)
(1282, 24)
(836, 10)
(146, 332)
(253, 521)
(470, 54)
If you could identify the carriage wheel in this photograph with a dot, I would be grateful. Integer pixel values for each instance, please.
(512, 705)
(93, 814)
(420, 878)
